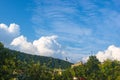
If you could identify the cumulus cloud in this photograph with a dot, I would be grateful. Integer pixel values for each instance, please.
(45, 46)
(21, 43)
(8, 33)
(112, 53)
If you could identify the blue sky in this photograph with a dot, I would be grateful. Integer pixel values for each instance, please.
(82, 27)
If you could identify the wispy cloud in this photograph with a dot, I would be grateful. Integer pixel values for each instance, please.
(62, 18)
(82, 25)
(59, 17)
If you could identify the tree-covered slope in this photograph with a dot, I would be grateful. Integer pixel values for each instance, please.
(27, 58)
(47, 61)
(15, 65)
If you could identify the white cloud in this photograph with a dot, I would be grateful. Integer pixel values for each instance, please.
(61, 18)
(21, 43)
(45, 46)
(112, 53)
(8, 33)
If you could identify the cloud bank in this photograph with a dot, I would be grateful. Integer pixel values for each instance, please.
(112, 53)
(45, 46)
(21, 43)
(8, 33)
(49, 46)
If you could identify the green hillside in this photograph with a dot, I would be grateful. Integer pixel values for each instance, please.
(15, 65)
(47, 61)
(27, 58)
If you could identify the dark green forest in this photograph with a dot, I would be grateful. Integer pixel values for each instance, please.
(15, 65)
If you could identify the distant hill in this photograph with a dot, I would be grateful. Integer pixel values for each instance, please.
(16, 65)
(47, 61)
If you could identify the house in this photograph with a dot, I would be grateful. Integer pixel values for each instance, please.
(76, 64)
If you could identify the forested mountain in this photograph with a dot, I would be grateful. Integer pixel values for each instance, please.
(15, 65)
(47, 61)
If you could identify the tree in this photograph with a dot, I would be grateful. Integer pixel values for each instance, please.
(68, 74)
(110, 69)
(7, 64)
(92, 68)
(1, 46)
(80, 71)
(38, 72)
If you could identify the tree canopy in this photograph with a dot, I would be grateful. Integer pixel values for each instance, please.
(15, 65)
(1, 46)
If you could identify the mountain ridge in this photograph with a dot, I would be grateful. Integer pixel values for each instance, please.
(49, 62)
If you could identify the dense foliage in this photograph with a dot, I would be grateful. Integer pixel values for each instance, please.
(19, 66)
(47, 61)
(23, 57)
(14, 64)
(94, 70)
